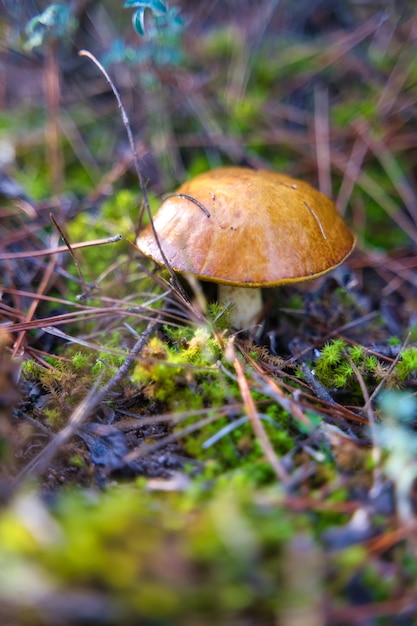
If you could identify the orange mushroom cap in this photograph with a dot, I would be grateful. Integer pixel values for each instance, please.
(248, 228)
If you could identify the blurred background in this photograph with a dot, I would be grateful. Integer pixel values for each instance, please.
(322, 89)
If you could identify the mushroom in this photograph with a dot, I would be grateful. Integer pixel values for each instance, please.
(246, 229)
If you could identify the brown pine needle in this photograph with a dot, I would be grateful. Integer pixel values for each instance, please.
(255, 420)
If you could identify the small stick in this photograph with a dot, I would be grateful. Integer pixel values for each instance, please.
(191, 199)
(8, 256)
(125, 119)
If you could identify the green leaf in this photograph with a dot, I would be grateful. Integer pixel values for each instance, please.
(138, 21)
(157, 6)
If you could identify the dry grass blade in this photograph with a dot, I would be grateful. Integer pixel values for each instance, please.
(34, 305)
(322, 140)
(390, 165)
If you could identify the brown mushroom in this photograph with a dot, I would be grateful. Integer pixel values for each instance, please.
(246, 229)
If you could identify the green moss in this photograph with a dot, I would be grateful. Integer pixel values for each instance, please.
(351, 560)
(371, 362)
(334, 369)
(407, 366)
(118, 215)
(54, 417)
(296, 301)
(52, 360)
(413, 333)
(334, 366)
(78, 461)
(380, 586)
(219, 316)
(232, 444)
(246, 111)
(177, 558)
(177, 374)
(80, 360)
(357, 354)
(345, 112)
(184, 375)
(394, 341)
(31, 369)
(98, 367)
(221, 42)
(70, 380)
(410, 564)
(215, 388)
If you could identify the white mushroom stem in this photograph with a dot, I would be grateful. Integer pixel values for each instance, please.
(247, 304)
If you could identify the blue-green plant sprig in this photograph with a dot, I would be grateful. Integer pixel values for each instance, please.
(158, 9)
(163, 39)
(397, 437)
(57, 21)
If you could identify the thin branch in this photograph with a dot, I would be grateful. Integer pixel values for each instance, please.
(125, 119)
(29, 254)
